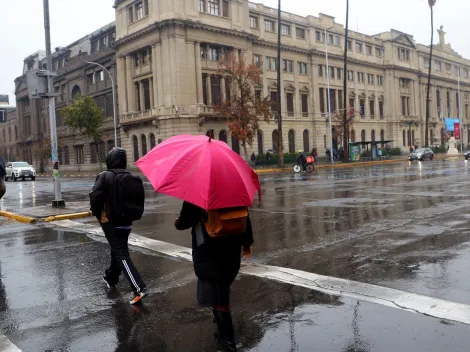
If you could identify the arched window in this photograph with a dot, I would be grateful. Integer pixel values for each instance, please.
(152, 141)
(409, 138)
(235, 145)
(372, 135)
(353, 136)
(291, 137)
(76, 92)
(260, 142)
(135, 145)
(306, 141)
(65, 152)
(223, 136)
(276, 141)
(144, 144)
(404, 138)
(110, 145)
(363, 135)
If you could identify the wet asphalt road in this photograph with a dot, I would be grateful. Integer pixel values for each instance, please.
(403, 226)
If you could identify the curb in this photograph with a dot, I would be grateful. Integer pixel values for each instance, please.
(67, 216)
(18, 217)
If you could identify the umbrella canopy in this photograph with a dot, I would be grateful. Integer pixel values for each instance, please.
(201, 171)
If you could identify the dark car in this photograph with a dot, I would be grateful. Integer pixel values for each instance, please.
(467, 154)
(422, 154)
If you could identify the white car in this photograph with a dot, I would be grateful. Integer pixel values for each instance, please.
(19, 169)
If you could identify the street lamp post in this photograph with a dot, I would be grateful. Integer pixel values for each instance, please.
(114, 99)
(329, 98)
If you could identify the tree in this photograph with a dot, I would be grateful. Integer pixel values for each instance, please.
(431, 6)
(338, 121)
(244, 110)
(85, 116)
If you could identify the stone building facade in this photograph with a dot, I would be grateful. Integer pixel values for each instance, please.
(75, 77)
(8, 129)
(167, 53)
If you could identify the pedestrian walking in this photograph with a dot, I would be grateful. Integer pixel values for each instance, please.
(379, 153)
(3, 188)
(217, 258)
(117, 200)
(253, 160)
(268, 158)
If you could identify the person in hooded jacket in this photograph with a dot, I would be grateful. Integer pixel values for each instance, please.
(116, 231)
(216, 264)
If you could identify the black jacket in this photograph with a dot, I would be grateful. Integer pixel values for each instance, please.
(2, 167)
(218, 259)
(103, 192)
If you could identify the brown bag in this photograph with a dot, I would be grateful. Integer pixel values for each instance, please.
(226, 222)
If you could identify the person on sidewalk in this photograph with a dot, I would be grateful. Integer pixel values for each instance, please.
(117, 200)
(216, 264)
(253, 160)
(3, 173)
(379, 153)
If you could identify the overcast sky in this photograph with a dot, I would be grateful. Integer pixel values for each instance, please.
(22, 25)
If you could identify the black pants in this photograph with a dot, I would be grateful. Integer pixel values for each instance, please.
(120, 258)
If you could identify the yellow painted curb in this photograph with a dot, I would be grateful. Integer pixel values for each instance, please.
(68, 216)
(18, 217)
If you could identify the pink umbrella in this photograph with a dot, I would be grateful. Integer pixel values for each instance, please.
(201, 171)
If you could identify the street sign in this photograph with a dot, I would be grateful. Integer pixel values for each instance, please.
(457, 130)
(38, 84)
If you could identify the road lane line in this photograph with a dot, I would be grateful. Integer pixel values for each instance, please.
(389, 297)
(6, 345)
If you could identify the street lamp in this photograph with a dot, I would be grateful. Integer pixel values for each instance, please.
(114, 98)
(328, 96)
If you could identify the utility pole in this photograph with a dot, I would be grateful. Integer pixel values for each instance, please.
(345, 88)
(279, 114)
(58, 201)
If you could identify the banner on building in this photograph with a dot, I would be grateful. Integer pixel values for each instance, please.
(450, 123)
(457, 130)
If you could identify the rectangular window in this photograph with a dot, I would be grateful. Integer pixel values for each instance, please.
(370, 78)
(287, 65)
(300, 33)
(448, 67)
(225, 8)
(144, 57)
(359, 47)
(466, 111)
(333, 99)
(257, 60)
(290, 104)
(438, 66)
(457, 71)
(372, 108)
(331, 39)
(79, 157)
(360, 76)
(213, 7)
(271, 63)
(202, 5)
(285, 29)
(381, 109)
(146, 86)
(465, 73)
(214, 53)
(368, 49)
(91, 79)
(350, 76)
(228, 88)
(94, 46)
(338, 73)
(350, 45)
(130, 14)
(101, 75)
(204, 88)
(268, 26)
(304, 103)
(109, 105)
(320, 36)
(3, 116)
(403, 54)
(378, 52)
(322, 100)
(332, 72)
(215, 90)
(320, 70)
(139, 11)
(136, 60)
(301, 68)
(403, 106)
(426, 62)
(103, 42)
(254, 22)
(362, 104)
(337, 41)
(380, 80)
(340, 99)
(273, 98)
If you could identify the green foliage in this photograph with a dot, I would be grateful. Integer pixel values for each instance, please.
(85, 116)
(395, 151)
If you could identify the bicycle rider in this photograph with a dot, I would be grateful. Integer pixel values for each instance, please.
(302, 159)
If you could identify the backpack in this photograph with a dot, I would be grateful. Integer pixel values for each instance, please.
(128, 197)
(226, 222)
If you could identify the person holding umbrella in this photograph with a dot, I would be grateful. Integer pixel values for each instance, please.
(217, 187)
(3, 187)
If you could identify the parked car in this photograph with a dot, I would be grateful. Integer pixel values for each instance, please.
(19, 169)
(422, 154)
(467, 154)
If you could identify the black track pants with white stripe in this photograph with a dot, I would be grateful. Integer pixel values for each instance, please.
(120, 258)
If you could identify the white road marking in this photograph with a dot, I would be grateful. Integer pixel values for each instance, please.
(407, 301)
(6, 345)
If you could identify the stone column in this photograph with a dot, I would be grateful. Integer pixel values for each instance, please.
(197, 56)
(159, 74)
(209, 90)
(154, 87)
(131, 97)
(122, 88)
(141, 96)
(222, 89)
(152, 100)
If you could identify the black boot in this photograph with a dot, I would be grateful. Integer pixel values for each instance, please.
(226, 338)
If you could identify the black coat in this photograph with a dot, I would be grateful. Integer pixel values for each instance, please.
(103, 190)
(218, 259)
